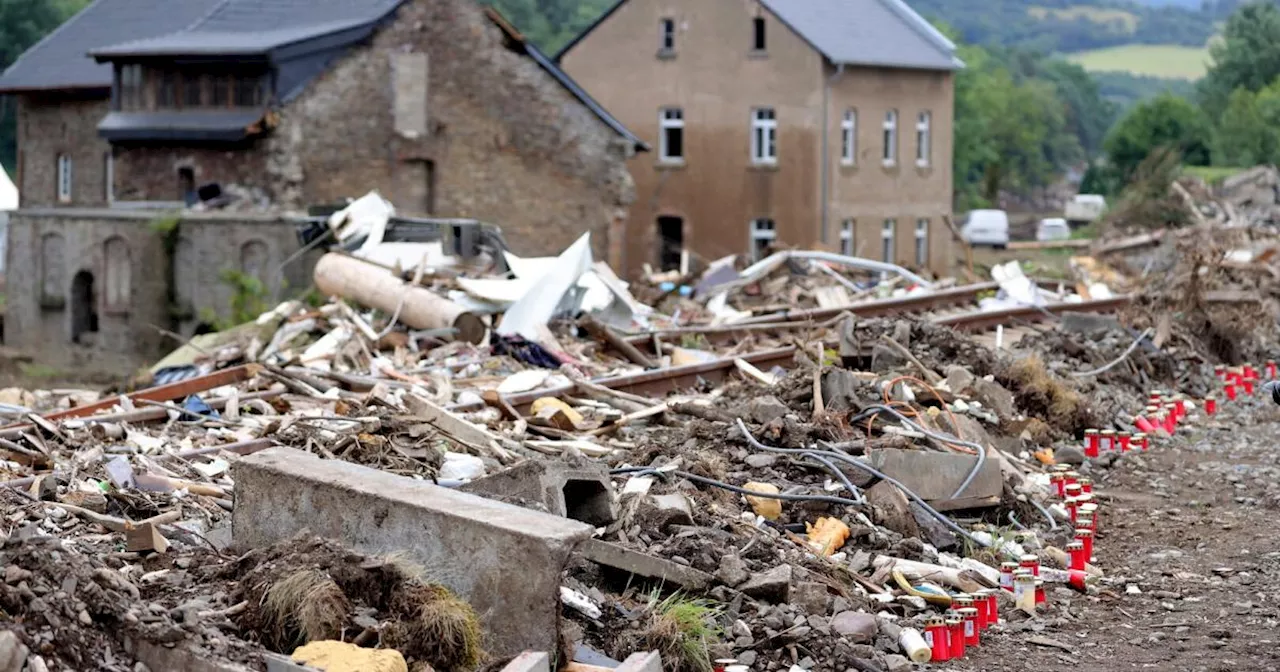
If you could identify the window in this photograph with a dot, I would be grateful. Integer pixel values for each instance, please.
(890, 137)
(248, 91)
(922, 139)
(109, 176)
(764, 135)
(922, 242)
(218, 90)
(763, 233)
(671, 142)
(64, 178)
(886, 240)
(846, 237)
(757, 33)
(167, 90)
(192, 85)
(668, 32)
(130, 87)
(849, 137)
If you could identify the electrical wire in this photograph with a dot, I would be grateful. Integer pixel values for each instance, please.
(867, 468)
(1053, 524)
(1123, 356)
(936, 436)
(641, 471)
(807, 452)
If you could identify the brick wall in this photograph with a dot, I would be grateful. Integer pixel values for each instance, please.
(49, 248)
(53, 124)
(150, 172)
(505, 142)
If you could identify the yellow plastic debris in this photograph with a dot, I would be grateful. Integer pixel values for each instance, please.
(332, 656)
(561, 409)
(764, 506)
(827, 535)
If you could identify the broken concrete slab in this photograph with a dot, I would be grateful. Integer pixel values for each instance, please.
(812, 597)
(766, 409)
(935, 476)
(641, 662)
(933, 531)
(893, 509)
(994, 396)
(582, 492)
(732, 571)
(771, 586)
(506, 561)
(627, 560)
(664, 510)
(529, 661)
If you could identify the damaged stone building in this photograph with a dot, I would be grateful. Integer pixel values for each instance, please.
(440, 105)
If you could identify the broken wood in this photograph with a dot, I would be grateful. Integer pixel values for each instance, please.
(929, 375)
(145, 538)
(631, 352)
(458, 429)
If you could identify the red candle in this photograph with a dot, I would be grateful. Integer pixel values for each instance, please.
(1210, 405)
(955, 628)
(936, 636)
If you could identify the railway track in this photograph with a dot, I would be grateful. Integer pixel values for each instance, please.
(660, 382)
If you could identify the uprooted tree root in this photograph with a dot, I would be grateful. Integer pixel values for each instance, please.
(309, 589)
(1040, 393)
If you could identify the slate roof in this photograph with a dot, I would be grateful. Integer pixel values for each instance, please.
(222, 125)
(61, 60)
(248, 27)
(883, 33)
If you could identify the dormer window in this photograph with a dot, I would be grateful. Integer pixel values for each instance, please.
(148, 88)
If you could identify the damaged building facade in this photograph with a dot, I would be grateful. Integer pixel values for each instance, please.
(442, 107)
(823, 124)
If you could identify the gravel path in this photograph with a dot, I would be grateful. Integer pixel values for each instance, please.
(1191, 549)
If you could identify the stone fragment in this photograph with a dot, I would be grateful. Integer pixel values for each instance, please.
(856, 626)
(771, 586)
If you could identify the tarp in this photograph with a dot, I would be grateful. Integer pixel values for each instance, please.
(8, 192)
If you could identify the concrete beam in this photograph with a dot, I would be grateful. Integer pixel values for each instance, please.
(579, 492)
(506, 561)
(529, 661)
(641, 662)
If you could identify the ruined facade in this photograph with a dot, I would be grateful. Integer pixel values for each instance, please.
(441, 106)
(821, 124)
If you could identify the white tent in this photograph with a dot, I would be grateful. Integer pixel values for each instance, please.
(8, 192)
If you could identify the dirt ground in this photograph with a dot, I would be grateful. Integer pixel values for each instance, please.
(1190, 543)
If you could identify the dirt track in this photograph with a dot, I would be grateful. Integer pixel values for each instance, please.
(1194, 525)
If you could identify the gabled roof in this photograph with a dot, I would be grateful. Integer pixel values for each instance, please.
(880, 33)
(257, 28)
(61, 60)
(518, 41)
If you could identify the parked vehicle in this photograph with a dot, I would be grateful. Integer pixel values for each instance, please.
(1053, 228)
(1085, 208)
(987, 227)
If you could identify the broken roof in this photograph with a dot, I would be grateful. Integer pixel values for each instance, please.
(61, 60)
(881, 33)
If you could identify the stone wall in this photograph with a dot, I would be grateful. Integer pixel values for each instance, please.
(125, 259)
(490, 136)
(54, 124)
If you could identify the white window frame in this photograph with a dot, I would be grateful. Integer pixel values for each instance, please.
(763, 229)
(667, 33)
(847, 237)
(849, 137)
(922, 242)
(886, 240)
(670, 119)
(890, 137)
(923, 138)
(64, 178)
(764, 136)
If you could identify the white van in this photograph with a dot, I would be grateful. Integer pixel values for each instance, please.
(1052, 228)
(987, 227)
(1084, 208)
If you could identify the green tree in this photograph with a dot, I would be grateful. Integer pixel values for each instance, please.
(1164, 121)
(1242, 137)
(1248, 56)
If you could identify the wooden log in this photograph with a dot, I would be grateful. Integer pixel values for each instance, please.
(368, 285)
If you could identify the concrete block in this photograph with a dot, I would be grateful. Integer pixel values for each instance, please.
(627, 560)
(582, 493)
(641, 662)
(506, 561)
(935, 476)
(529, 661)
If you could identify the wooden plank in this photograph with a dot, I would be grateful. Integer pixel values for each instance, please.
(179, 390)
(1072, 243)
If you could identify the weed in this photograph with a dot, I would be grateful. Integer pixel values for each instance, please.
(683, 630)
(305, 606)
(37, 370)
(435, 625)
